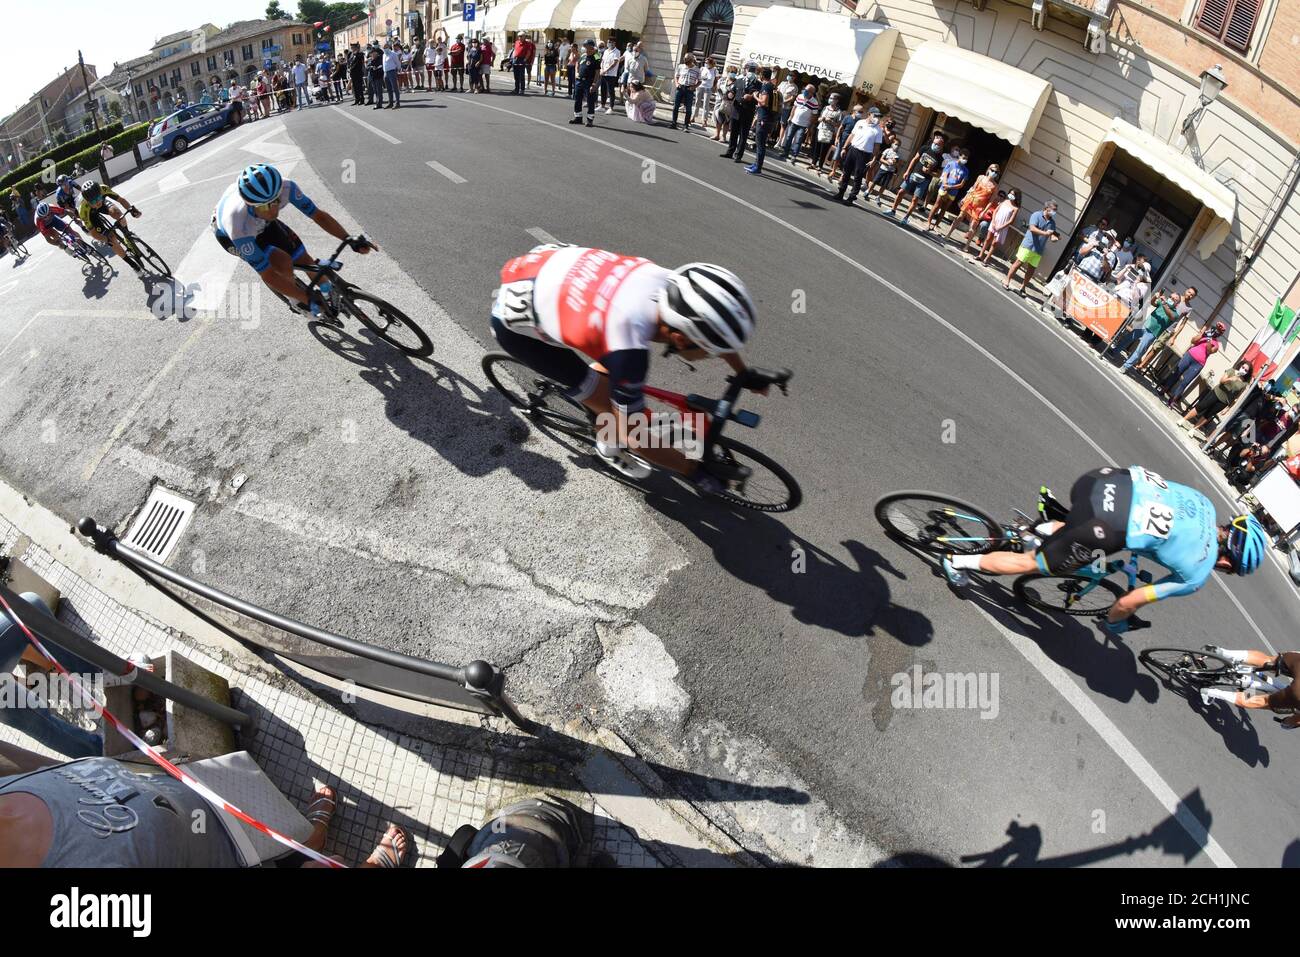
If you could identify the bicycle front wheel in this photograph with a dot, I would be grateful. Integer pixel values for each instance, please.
(938, 524)
(769, 487)
(541, 398)
(1068, 594)
(147, 256)
(386, 321)
(1182, 665)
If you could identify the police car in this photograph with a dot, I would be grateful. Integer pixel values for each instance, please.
(173, 134)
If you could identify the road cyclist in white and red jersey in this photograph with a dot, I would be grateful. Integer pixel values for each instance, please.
(561, 310)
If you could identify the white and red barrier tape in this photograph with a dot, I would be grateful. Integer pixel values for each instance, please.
(192, 783)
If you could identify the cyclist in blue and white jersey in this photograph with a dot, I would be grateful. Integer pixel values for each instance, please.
(247, 224)
(1114, 509)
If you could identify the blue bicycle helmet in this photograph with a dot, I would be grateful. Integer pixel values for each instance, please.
(42, 210)
(1247, 543)
(260, 183)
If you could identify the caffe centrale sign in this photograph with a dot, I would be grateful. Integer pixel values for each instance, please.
(826, 72)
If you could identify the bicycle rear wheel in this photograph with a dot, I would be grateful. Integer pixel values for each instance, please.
(769, 488)
(938, 524)
(141, 251)
(1184, 666)
(384, 320)
(541, 398)
(1068, 594)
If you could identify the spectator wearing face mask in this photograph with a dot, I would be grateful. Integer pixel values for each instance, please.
(952, 182)
(806, 107)
(1217, 399)
(865, 139)
(1189, 366)
(1042, 227)
(1133, 283)
(610, 62)
(725, 111)
(999, 227)
(925, 165)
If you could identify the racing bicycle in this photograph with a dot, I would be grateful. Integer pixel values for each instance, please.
(139, 253)
(337, 296)
(1184, 669)
(940, 525)
(768, 487)
(80, 249)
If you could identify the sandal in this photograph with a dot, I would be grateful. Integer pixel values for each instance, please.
(321, 809)
(387, 854)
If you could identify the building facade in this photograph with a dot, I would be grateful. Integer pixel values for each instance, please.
(182, 66)
(1096, 104)
(44, 118)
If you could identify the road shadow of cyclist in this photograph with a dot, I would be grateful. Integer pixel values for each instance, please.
(168, 298)
(820, 589)
(1107, 665)
(469, 425)
(96, 284)
(1232, 724)
(1024, 844)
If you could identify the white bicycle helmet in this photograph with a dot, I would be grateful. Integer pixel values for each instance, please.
(710, 306)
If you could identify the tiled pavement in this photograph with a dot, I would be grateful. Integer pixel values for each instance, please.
(301, 742)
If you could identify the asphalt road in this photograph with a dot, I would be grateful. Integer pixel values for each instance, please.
(402, 502)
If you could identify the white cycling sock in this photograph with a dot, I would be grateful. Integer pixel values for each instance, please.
(965, 561)
(1219, 694)
(1044, 529)
(1236, 657)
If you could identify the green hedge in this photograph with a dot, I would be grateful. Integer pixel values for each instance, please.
(88, 158)
(77, 144)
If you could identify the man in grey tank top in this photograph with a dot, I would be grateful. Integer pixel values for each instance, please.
(98, 812)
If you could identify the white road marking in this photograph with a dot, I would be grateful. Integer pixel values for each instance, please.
(9, 286)
(125, 422)
(76, 314)
(1116, 741)
(1051, 672)
(450, 174)
(541, 235)
(373, 129)
(176, 178)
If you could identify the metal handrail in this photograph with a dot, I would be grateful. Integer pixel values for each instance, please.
(54, 632)
(482, 680)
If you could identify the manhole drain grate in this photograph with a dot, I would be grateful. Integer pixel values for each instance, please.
(160, 524)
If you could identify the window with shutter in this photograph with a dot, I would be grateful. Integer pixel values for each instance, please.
(1213, 15)
(1230, 21)
(1241, 24)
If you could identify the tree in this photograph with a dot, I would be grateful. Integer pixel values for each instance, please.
(273, 11)
(115, 109)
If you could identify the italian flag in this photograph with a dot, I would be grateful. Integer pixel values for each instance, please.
(1272, 337)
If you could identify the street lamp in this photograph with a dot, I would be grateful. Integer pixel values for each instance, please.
(1212, 84)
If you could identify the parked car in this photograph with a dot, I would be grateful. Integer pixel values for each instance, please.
(174, 134)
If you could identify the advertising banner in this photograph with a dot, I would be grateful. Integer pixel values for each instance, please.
(1092, 306)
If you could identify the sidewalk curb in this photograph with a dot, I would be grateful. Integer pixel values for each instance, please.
(671, 828)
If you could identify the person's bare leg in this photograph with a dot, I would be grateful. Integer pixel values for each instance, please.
(952, 226)
(319, 814)
(392, 849)
(1029, 274)
(1011, 274)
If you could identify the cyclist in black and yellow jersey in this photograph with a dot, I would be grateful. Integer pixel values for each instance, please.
(95, 211)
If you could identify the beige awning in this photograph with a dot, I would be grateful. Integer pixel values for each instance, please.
(843, 50)
(982, 91)
(1181, 170)
(627, 15)
(548, 14)
(504, 17)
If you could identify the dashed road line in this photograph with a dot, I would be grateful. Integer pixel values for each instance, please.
(449, 173)
(373, 129)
